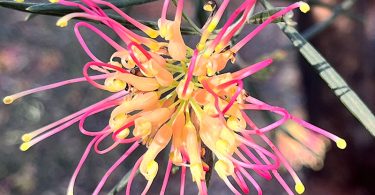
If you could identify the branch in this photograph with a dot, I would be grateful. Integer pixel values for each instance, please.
(335, 82)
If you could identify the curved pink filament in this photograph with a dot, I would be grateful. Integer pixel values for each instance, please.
(93, 11)
(301, 122)
(254, 166)
(216, 97)
(204, 187)
(95, 8)
(92, 5)
(232, 99)
(240, 181)
(263, 173)
(245, 72)
(120, 30)
(166, 178)
(127, 140)
(259, 28)
(83, 43)
(92, 82)
(240, 24)
(90, 112)
(165, 9)
(135, 59)
(53, 131)
(253, 100)
(76, 114)
(132, 175)
(221, 10)
(245, 5)
(124, 15)
(256, 147)
(148, 186)
(124, 33)
(314, 128)
(81, 162)
(98, 32)
(189, 75)
(114, 166)
(99, 108)
(282, 159)
(282, 182)
(108, 149)
(276, 174)
(252, 180)
(74, 4)
(141, 49)
(56, 85)
(184, 153)
(180, 6)
(261, 169)
(183, 177)
(231, 187)
(285, 116)
(101, 16)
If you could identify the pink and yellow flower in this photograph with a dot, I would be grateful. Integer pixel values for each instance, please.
(169, 95)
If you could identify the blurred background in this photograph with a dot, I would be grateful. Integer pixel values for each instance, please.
(36, 52)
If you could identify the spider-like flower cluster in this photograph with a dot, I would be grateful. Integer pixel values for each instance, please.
(169, 95)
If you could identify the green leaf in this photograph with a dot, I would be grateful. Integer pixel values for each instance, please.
(54, 8)
(121, 185)
(338, 85)
(15, 5)
(57, 8)
(30, 16)
(262, 16)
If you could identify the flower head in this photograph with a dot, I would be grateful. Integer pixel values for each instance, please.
(169, 95)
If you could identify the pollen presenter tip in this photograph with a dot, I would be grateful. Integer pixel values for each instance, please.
(211, 27)
(152, 170)
(62, 23)
(54, 1)
(200, 46)
(152, 33)
(304, 7)
(123, 134)
(341, 143)
(26, 137)
(25, 146)
(209, 6)
(8, 100)
(300, 188)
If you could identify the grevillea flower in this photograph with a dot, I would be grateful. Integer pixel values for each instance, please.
(169, 96)
(301, 147)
